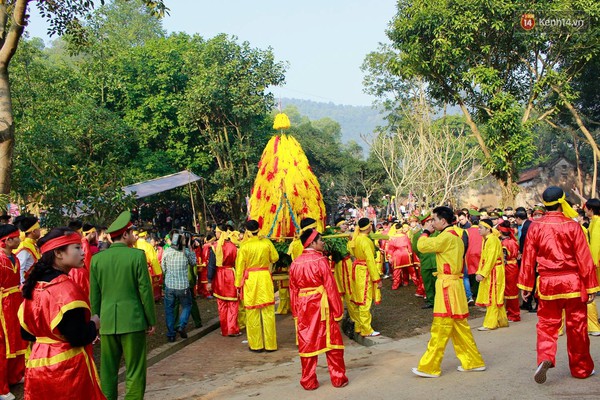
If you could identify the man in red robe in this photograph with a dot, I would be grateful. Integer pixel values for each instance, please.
(12, 346)
(221, 275)
(567, 281)
(317, 307)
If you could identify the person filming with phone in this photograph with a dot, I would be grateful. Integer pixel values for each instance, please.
(175, 262)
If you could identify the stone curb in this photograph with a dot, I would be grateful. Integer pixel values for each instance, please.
(167, 349)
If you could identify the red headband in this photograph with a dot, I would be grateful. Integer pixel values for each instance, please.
(311, 238)
(10, 235)
(508, 230)
(60, 241)
(121, 231)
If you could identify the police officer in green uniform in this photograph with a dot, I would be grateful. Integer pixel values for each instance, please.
(428, 263)
(121, 294)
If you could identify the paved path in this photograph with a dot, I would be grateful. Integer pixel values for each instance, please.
(217, 367)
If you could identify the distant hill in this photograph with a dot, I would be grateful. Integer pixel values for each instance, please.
(354, 120)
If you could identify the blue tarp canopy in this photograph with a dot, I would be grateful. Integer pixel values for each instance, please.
(162, 184)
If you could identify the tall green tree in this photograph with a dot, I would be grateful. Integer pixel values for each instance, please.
(472, 54)
(227, 107)
(63, 17)
(68, 157)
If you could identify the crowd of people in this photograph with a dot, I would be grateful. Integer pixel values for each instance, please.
(79, 284)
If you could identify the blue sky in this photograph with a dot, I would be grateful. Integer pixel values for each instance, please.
(325, 41)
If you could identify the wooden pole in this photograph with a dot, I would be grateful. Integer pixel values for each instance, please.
(193, 206)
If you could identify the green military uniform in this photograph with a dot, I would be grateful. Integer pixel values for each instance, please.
(428, 264)
(121, 294)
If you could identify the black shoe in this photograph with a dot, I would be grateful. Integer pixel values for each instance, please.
(183, 334)
(426, 306)
(257, 350)
(171, 339)
(533, 310)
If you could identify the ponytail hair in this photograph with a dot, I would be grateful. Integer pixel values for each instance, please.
(46, 263)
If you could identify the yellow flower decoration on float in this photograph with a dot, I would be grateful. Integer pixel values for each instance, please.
(281, 122)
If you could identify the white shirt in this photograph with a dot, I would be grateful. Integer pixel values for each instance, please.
(26, 260)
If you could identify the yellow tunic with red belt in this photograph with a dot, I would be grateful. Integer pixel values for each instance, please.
(491, 267)
(253, 272)
(154, 269)
(450, 309)
(365, 273)
(564, 262)
(593, 233)
(55, 369)
(450, 299)
(594, 240)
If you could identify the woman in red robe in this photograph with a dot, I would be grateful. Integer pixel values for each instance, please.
(317, 307)
(56, 315)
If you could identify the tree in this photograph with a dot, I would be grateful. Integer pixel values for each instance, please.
(433, 159)
(63, 17)
(68, 157)
(471, 54)
(226, 106)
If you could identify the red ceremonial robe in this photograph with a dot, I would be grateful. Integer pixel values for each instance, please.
(225, 291)
(203, 270)
(511, 274)
(556, 246)
(316, 306)
(12, 346)
(55, 369)
(473, 254)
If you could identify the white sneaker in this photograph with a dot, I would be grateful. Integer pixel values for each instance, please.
(478, 369)
(423, 374)
(483, 328)
(373, 334)
(7, 396)
(594, 333)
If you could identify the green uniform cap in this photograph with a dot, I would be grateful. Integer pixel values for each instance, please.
(474, 213)
(425, 217)
(120, 225)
